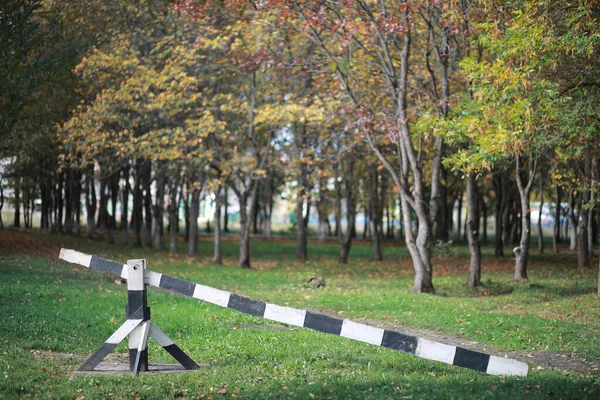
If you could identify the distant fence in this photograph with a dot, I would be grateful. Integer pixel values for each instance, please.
(395, 340)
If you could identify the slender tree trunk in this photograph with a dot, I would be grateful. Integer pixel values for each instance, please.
(377, 193)
(103, 209)
(217, 256)
(484, 219)
(572, 221)
(193, 222)
(159, 207)
(267, 209)
(301, 178)
(522, 252)
(322, 210)
(225, 209)
(90, 204)
(17, 204)
(301, 242)
(138, 204)
(442, 216)
(125, 205)
(174, 211)
(244, 232)
(582, 242)
(185, 198)
(346, 240)
(556, 224)
(256, 208)
(113, 186)
(582, 248)
(69, 203)
(1, 203)
(44, 223)
(147, 181)
(472, 225)
(459, 217)
(540, 215)
(366, 224)
(590, 224)
(338, 203)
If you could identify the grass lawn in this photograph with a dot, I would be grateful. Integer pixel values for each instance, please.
(53, 315)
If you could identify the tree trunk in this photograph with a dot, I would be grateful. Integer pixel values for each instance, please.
(174, 210)
(69, 203)
(366, 224)
(484, 219)
(158, 209)
(540, 215)
(256, 208)
(1, 202)
(267, 209)
(138, 204)
(522, 252)
(102, 210)
(322, 210)
(301, 195)
(346, 240)
(225, 209)
(185, 198)
(572, 221)
(472, 225)
(459, 217)
(193, 222)
(125, 205)
(582, 242)
(217, 256)
(377, 193)
(301, 242)
(338, 203)
(582, 248)
(590, 224)
(442, 228)
(556, 224)
(59, 203)
(17, 205)
(90, 203)
(244, 231)
(147, 181)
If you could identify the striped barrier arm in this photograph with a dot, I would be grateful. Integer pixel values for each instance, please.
(423, 348)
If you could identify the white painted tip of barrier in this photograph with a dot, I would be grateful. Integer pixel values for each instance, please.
(286, 315)
(211, 295)
(506, 366)
(436, 351)
(362, 332)
(75, 257)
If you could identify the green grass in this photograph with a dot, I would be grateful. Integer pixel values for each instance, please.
(53, 315)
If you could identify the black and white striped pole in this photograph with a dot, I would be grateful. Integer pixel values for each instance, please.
(423, 348)
(137, 326)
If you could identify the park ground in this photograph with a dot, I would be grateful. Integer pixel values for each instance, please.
(53, 315)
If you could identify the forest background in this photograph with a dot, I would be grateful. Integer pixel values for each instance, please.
(126, 112)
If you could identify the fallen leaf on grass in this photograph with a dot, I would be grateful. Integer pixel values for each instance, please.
(222, 391)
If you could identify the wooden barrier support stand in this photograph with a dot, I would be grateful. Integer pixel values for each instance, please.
(137, 327)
